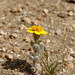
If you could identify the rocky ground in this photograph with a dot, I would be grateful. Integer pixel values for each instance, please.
(57, 17)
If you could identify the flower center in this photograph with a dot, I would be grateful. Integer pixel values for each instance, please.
(34, 28)
(39, 28)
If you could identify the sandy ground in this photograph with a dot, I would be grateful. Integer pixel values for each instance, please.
(57, 17)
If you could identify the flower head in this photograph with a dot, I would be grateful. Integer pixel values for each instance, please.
(37, 30)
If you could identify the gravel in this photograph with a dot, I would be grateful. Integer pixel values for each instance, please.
(57, 17)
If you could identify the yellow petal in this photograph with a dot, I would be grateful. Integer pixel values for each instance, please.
(37, 33)
(43, 32)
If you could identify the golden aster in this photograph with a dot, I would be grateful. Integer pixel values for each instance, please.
(37, 30)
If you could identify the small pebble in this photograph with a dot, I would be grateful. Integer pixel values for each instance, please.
(25, 14)
(28, 53)
(62, 15)
(27, 20)
(73, 26)
(70, 13)
(6, 11)
(1, 25)
(68, 58)
(48, 40)
(2, 32)
(16, 49)
(8, 56)
(2, 55)
(3, 49)
(45, 11)
(60, 61)
(1, 60)
(53, 41)
(14, 10)
(64, 70)
(36, 22)
(71, 51)
(22, 26)
(73, 56)
(14, 35)
(18, 55)
(58, 32)
(0, 36)
(70, 65)
(19, 9)
(27, 39)
(73, 39)
(52, 51)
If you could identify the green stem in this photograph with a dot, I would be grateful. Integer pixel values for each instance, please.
(36, 37)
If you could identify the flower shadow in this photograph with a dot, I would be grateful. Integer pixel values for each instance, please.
(21, 65)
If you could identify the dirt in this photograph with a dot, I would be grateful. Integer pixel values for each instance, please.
(57, 17)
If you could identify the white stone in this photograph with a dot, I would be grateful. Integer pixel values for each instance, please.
(15, 35)
(64, 70)
(52, 51)
(73, 38)
(58, 31)
(71, 51)
(48, 41)
(45, 11)
(0, 36)
(16, 31)
(19, 9)
(60, 61)
(22, 26)
(73, 25)
(2, 32)
(71, 13)
(32, 57)
(28, 53)
(18, 55)
(3, 49)
(68, 58)
(8, 56)
(1, 60)
(25, 13)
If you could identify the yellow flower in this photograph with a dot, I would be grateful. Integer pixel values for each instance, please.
(37, 30)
